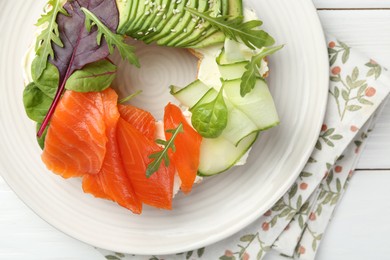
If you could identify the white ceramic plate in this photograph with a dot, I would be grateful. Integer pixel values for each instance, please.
(218, 207)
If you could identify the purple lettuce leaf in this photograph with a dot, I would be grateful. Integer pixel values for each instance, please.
(80, 46)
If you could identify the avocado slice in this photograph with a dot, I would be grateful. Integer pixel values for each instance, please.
(142, 8)
(204, 35)
(124, 13)
(216, 7)
(202, 7)
(215, 38)
(162, 17)
(143, 26)
(173, 20)
(179, 29)
(211, 31)
(225, 7)
(150, 24)
(166, 22)
(162, 25)
(196, 34)
(201, 27)
(132, 15)
(235, 8)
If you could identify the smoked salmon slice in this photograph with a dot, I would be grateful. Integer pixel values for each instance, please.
(142, 120)
(112, 181)
(76, 140)
(93, 185)
(135, 148)
(187, 143)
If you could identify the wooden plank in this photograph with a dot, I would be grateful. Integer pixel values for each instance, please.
(361, 221)
(360, 227)
(369, 32)
(24, 235)
(352, 3)
(377, 152)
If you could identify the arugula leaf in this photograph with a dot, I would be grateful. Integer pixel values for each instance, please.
(113, 39)
(36, 103)
(96, 76)
(47, 82)
(248, 80)
(80, 47)
(43, 47)
(162, 155)
(236, 29)
(210, 119)
(129, 97)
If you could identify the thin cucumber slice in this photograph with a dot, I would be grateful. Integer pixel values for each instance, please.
(252, 113)
(190, 94)
(209, 96)
(232, 71)
(238, 125)
(231, 53)
(218, 155)
(258, 104)
(246, 117)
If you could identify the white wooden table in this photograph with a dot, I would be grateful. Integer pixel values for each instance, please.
(360, 227)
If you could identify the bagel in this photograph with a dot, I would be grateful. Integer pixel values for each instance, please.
(221, 64)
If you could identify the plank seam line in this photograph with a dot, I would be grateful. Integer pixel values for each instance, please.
(354, 9)
(373, 169)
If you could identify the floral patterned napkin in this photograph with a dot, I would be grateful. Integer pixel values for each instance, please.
(295, 225)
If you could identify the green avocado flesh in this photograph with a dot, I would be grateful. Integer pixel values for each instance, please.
(167, 23)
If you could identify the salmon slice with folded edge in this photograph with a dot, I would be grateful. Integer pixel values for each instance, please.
(112, 181)
(142, 120)
(76, 140)
(135, 148)
(187, 143)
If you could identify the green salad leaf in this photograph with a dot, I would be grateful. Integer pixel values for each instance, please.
(36, 103)
(236, 29)
(162, 155)
(47, 82)
(95, 76)
(210, 119)
(113, 40)
(43, 47)
(79, 45)
(248, 80)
